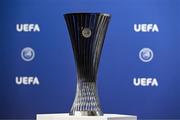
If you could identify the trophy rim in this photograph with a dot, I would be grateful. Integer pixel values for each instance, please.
(88, 13)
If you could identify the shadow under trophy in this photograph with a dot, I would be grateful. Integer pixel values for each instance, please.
(87, 32)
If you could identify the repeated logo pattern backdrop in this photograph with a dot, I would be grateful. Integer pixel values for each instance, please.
(139, 67)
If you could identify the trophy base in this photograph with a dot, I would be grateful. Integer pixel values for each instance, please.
(86, 113)
(66, 116)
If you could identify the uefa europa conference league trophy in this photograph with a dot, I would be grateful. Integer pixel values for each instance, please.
(87, 32)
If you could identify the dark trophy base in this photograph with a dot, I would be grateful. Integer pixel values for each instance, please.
(87, 113)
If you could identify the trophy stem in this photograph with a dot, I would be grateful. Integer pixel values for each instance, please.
(86, 102)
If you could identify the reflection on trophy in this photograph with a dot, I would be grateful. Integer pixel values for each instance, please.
(87, 32)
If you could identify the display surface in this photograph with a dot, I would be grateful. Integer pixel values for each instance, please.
(65, 116)
(87, 32)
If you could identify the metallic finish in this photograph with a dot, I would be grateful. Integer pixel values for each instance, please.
(87, 33)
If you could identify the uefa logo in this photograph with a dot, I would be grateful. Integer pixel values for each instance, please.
(27, 54)
(146, 55)
(86, 32)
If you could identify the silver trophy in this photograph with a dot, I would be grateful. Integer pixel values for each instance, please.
(87, 32)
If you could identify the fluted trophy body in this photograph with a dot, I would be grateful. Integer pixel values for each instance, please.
(87, 32)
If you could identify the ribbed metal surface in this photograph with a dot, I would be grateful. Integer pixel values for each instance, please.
(87, 32)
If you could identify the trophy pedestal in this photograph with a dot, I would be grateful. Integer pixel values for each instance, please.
(65, 116)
